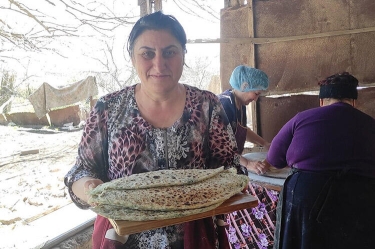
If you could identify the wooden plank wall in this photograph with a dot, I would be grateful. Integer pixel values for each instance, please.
(273, 113)
(297, 43)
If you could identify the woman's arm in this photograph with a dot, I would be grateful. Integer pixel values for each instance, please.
(256, 139)
(89, 169)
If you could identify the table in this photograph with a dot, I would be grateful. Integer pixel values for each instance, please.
(272, 180)
(255, 227)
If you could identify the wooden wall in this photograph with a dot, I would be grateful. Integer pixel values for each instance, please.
(273, 113)
(297, 43)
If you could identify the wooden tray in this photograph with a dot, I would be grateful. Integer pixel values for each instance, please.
(236, 202)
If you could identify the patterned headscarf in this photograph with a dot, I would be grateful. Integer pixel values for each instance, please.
(246, 79)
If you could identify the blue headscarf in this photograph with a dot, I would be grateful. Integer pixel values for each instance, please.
(246, 79)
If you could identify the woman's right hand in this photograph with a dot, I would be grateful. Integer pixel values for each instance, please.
(258, 167)
(81, 187)
(91, 184)
(267, 145)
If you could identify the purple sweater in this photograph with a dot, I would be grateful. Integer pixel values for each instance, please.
(332, 137)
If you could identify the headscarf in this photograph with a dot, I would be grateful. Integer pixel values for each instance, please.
(247, 79)
(339, 86)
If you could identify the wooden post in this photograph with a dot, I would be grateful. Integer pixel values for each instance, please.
(252, 63)
(149, 6)
(143, 7)
(158, 5)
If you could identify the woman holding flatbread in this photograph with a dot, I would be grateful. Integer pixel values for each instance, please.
(156, 124)
(328, 201)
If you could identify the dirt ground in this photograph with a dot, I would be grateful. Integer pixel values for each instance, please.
(33, 162)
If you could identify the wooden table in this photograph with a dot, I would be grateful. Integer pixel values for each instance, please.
(236, 202)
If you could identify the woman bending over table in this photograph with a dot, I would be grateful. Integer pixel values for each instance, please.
(329, 201)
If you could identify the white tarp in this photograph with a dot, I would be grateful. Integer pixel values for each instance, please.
(47, 97)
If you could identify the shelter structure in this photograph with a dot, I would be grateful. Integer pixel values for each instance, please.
(297, 43)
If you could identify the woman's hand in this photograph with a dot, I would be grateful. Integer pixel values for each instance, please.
(81, 187)
(91, 184)
(267, 145)
(257, 167)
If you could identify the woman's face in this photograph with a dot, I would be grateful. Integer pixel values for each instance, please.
(158, 58)
(246, 97)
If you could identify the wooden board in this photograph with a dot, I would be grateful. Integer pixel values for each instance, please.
(236, 202)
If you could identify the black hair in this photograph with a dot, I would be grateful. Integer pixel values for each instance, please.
(339, 86)
(157, 21)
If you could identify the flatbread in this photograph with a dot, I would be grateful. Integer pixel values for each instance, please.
(205, 193)
(278, 173)
(159, 178)
(120, 213)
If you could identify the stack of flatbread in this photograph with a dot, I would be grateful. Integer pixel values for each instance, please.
(166, 194)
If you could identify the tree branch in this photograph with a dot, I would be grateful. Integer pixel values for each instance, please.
(28, 13)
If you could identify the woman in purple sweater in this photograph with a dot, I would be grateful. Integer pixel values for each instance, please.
(328, 201)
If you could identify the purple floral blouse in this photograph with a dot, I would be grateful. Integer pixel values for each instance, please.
(118, 142)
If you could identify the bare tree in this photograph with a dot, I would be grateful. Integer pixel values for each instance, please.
(46, 20)
(199, 72)
(42, 27)
(117, 72)
(201, 9)
(10, 88)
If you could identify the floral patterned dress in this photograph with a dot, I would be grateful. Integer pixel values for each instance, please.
(118, 142)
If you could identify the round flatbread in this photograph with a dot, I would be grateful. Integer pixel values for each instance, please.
(159, 178)
(205, 193)
(120, 213)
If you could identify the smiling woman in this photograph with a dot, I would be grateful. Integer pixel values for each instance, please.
(156, 124)
(158, 59)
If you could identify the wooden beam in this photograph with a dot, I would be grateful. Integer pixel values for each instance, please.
(259, 40)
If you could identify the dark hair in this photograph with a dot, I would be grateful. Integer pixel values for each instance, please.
(339, 86)
(157, 21)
